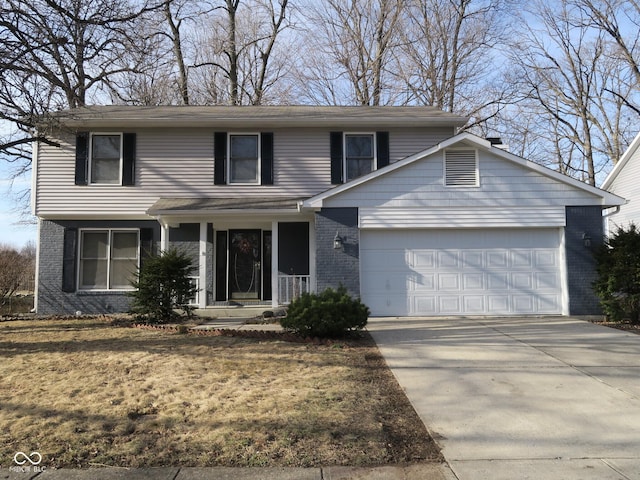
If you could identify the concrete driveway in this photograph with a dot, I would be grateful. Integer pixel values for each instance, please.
(516, 398)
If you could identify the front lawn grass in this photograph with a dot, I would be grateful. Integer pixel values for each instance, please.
(84, 393)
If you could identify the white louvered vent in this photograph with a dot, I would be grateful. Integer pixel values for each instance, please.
(460, 168)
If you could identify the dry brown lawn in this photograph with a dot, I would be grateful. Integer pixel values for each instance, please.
(83, 392)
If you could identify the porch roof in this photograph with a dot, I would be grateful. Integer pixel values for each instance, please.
(196, 206)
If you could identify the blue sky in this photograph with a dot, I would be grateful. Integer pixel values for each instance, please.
(13, 231)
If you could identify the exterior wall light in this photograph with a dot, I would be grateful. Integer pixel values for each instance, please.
(337, 242)
(586, 239)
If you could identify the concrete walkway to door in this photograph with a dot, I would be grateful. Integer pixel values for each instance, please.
(515, 398)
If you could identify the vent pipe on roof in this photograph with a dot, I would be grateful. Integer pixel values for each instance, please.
(497, 142)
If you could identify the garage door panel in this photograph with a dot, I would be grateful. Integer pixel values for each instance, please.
(547, 280)
(448, 281)
(426, 304)
(497, 259)
(521, 259)
(423, 283)
(473, 281)
(426, 272)
(474, 304)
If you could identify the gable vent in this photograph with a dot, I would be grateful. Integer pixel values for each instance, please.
(460, 168)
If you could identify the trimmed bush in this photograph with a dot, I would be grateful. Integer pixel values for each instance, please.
(618, 283)
(332, 313)
(162, 287)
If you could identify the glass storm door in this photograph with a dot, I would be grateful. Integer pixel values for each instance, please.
(245, 264)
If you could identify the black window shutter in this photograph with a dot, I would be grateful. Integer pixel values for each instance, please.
(219, 158)
(335, 141)
(266, 158)
(69, 253)
(129, 159)
(382, 148)
(146, 244)
(221, 265)
(82, 158)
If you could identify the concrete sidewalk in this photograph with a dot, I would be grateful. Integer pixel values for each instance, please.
(516, 398)
(409, 472)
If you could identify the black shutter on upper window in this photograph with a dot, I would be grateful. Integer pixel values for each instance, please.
(382, 149)
(69, 253)
(82, 158)
(219, 158)
(129, 159)
(266, 158)
(335, 142)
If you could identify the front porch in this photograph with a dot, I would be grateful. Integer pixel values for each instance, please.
(247, 254)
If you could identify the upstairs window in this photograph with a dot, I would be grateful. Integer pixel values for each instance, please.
(244, 159)
(109, 259)
(359, 155)
(106, 159)
(461, 168)
(356, 154)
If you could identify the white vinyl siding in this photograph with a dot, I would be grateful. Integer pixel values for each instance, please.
(626, 185)
(179, 163)
(462, 217)
(504, 184)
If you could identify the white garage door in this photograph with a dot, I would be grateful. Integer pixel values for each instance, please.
(461, 272)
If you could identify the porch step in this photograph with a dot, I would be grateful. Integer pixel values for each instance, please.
(242, 311)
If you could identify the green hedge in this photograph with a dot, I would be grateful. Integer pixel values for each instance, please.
(332, 313)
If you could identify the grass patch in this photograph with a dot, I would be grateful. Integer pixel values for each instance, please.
(82, 392)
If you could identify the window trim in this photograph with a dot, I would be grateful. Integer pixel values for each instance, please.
(90, 159)
(476, 171)
(258, 136)
(374, 148)
(110, 231)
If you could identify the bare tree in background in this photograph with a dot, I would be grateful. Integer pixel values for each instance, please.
(17, 270)
(447, 48)
(56, 55)
(565, 70)
(349, 49)
(238, 61)
(609, 16)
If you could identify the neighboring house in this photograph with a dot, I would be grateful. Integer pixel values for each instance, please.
(624, 180)
(392, 202)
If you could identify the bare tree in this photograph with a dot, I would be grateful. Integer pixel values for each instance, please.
(446, 46)
(564, 70)
(12, 270)
(235, 61)
(55, 55)
(350, 49)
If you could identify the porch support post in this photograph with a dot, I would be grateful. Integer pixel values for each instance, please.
(312, 256)
(164, 236)
(202, 262)
(274, 264)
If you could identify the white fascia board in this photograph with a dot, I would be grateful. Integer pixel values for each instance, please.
(624, 159)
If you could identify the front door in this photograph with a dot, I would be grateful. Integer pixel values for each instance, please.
(245, 262)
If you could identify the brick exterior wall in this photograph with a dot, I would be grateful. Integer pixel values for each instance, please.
(334, 267)
(581, 266)
(52, 300)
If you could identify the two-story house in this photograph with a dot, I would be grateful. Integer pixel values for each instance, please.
(392, 202)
